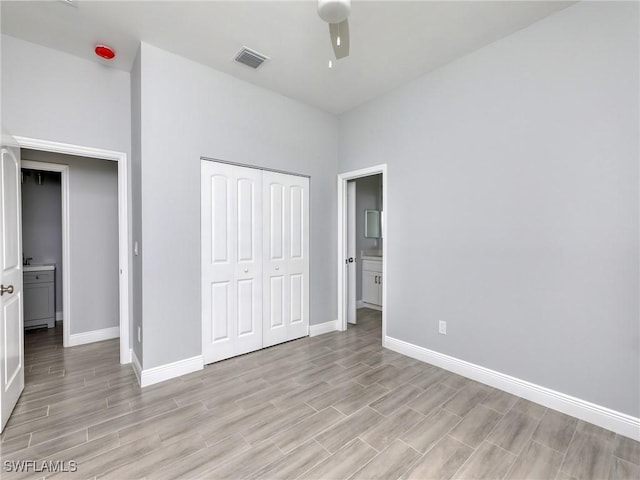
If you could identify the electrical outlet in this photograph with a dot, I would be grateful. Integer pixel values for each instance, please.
(139, 334)
(442, 327)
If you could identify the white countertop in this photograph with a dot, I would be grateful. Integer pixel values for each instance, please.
(38, 268)
(371, 254)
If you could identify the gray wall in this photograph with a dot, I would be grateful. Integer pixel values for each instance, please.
(93, 239)
(189, 110)
(50, 95)
(367, 198)
(513, 203)
(42, 223)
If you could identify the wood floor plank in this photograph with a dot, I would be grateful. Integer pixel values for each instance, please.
(623, 470)
(204, 460)
(555, 430)
(356, 401)
(114, 458)
(514, 430)
(395, 399)
(432, 398)
(627, 449)
(487, 462)
(390, 464)
(271, 426)
(111, 425)
(466, 398)
(391, 428)
(246, 463)
(441, 462)
(590, 452)
(307, 429)
(51, 447)
(342, 464)
(294, 464)
(500, 401)
(157, 459)
(476, 426)
(536, 461)
(431, 430)
(337, 436)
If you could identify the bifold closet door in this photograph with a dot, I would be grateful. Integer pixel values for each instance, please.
(285, 257)
(231, 223)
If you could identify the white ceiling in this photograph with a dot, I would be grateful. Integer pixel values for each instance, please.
(392, 42)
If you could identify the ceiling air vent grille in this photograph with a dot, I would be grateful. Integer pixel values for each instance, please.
(250, 58)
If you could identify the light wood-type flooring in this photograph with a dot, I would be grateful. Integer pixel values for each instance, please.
(336, 406)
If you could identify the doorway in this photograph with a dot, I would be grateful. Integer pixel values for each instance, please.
(121, 237)
(367, 257)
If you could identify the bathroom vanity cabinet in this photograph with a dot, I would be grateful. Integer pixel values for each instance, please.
(39, 296)
(372, 280)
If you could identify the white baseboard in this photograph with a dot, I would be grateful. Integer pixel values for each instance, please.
(127, 358)
(362, 304)
(322, 328)
(604, 417)
(159, 374)
(137, 368)
(94, 336)
(59, 316)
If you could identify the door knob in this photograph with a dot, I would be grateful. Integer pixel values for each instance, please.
(277, 268)
(4, 289)
(246, 270)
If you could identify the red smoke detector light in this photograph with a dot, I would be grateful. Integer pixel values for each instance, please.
(105, 52)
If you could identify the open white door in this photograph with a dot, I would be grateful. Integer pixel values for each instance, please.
(351, 252)
(11, 329)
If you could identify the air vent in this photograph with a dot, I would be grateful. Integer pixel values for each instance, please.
(250, 58)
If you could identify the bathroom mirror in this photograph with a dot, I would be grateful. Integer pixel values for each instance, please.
(372, 224)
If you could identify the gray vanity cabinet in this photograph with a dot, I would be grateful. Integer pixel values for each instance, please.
(39, 298)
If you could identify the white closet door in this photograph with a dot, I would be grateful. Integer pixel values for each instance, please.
(285, 257)
(231, 224)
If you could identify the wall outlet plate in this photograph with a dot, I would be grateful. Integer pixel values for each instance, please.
(442, 327)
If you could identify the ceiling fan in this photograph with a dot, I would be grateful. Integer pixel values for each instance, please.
(335, 13)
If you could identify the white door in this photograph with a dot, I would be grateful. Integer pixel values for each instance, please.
(286, 257)
(231, 220)
(11, 327)
(350, 262)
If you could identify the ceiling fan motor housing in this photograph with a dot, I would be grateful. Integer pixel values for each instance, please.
(334, 11)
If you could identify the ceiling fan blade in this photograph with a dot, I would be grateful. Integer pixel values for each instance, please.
(339, 33)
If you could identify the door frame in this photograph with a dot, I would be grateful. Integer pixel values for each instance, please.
(63, 170)
(123, 229)
(343, 178)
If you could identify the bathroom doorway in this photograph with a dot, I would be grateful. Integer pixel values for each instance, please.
(86, 277)
(362, 246)
(41, 196)
(88, 256)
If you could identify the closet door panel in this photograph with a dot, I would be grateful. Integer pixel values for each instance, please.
(286, 231)
(298, 259)
(276, 246)
(231, 217)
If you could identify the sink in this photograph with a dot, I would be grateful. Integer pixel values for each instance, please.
(38, 268)
(372, 254)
